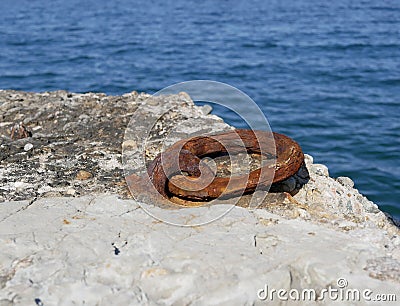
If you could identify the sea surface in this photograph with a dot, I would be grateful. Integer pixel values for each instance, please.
(326, 73)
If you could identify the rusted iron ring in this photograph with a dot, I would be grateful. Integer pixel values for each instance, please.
(166, 178)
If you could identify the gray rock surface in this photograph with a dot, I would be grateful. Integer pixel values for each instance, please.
(84, 132)
(71, 235)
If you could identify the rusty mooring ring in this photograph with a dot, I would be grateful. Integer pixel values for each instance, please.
(163, 174)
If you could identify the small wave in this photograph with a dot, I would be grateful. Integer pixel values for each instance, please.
(30, 75)
(247, 66)
(349, 46)
(391, 82)
(263, 45)
(385, 8)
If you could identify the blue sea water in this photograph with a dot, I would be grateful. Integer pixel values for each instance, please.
(326, 73)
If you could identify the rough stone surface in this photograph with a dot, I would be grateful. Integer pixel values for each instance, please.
(102, 250)
(72, 132)
(71, 235)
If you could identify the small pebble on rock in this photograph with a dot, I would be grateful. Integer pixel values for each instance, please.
(70, 191)
(83, 175)
(28, 146)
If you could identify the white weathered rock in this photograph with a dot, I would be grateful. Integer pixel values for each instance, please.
(101, 250)
(308, 159)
